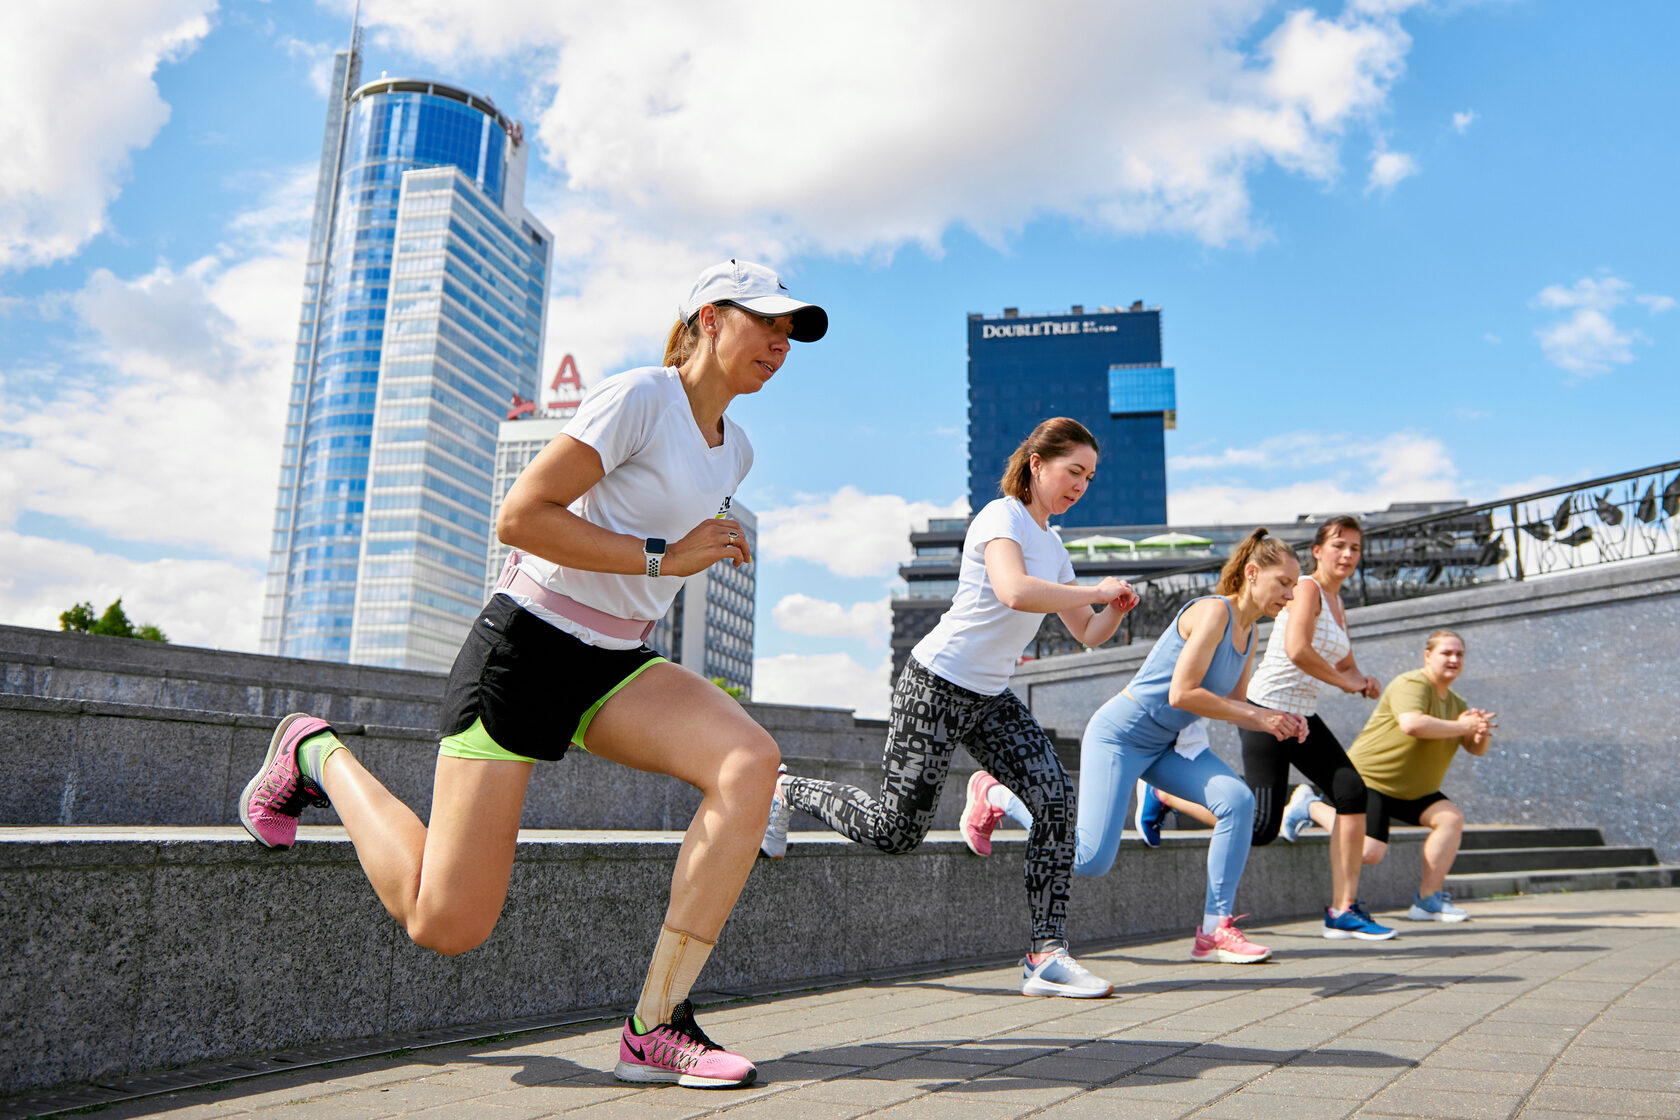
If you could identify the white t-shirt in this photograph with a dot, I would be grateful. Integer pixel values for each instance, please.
(978, 641)
(662, 479)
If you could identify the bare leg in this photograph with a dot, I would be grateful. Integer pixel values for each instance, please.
(444, 885)
(1347, 845)
(1322, 815)
(1446, 828)
(670, 721)
(1188, 808)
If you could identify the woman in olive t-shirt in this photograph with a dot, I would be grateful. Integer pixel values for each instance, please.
(1403, 755)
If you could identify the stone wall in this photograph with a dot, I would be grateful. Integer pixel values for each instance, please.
(1581, 668)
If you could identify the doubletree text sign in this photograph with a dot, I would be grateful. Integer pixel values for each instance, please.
(1045, 327)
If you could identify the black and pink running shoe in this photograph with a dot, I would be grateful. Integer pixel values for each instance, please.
(279, 793)
(679, 1053)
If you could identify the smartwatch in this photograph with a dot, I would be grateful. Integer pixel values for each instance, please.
(654, 549)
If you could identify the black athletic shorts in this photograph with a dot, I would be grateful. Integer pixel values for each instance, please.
(1380, 809)
(533, 686)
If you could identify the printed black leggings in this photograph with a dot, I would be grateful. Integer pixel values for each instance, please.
(931, 717)
(1266, 762)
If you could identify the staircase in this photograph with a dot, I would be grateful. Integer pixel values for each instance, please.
(1499, 860)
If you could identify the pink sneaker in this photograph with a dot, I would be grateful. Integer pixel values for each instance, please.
(1228, 945)
(274, 798)
(979, 815)
(680, 1052)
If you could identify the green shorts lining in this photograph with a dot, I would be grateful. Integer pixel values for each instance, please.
(475, 741)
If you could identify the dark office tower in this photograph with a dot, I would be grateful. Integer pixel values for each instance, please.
(423, 305)
(1104, 370)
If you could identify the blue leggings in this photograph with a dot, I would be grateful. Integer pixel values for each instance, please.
(1108, 769)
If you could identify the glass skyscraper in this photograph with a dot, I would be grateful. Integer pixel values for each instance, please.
(1102, 368)
(423, 309)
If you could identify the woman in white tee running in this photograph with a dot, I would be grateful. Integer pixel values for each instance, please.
(605, 523)
(954, 692)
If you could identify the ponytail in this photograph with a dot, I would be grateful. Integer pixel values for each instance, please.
(1259, 548)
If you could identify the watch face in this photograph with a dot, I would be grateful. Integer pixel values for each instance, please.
(654, 546)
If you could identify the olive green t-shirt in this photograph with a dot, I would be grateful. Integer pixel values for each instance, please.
(1394, 762)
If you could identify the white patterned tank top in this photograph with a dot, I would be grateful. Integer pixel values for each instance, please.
(1280, 684)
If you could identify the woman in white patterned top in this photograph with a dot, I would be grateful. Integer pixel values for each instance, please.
(1308, 649)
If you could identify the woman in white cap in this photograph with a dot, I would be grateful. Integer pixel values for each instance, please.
(605, 524)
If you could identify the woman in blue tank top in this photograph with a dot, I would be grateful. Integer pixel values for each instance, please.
(1198, 668)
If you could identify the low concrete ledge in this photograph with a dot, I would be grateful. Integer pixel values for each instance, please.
(88, 762)
(134, 950)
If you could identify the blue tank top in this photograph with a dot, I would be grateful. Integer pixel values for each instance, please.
(1149, 687)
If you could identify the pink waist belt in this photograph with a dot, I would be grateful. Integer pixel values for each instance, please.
(630, 629)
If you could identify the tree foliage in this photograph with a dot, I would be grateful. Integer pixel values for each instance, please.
(114, 622)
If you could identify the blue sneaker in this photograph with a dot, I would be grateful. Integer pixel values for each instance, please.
(1355, 922)
(1150, 812)
(1060, 975)
(1296, 817)
(1438, 907)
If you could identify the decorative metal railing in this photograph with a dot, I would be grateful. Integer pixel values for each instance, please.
(1600, 521)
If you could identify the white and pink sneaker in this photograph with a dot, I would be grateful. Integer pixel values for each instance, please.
(1227, 945)
(679, 1052)
(979, 815)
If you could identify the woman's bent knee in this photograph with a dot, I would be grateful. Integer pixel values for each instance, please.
(449, 936)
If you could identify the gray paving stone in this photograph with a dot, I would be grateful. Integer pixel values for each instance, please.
(1262, 1108)
(1566, 1073)
(1437, 1104)
(1599, 1101)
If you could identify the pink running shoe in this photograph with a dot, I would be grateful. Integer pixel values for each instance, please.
(680, 1052)
(1227, 945)
(274, 798)
(979, 815)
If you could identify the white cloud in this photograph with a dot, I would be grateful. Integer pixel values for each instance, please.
(194, 602)
(848, 532)
(1348, 474)
(1388, 168)
(819, 618)
(163, 427)
(1463, 121)
(832, 680)
(1586, 340)
(76, 77)
(1137, 118)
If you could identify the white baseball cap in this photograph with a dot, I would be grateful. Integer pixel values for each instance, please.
(760, 291)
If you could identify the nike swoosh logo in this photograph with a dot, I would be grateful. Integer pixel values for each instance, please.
(640, 1057)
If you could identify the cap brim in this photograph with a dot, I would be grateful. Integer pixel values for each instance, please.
(810, 322)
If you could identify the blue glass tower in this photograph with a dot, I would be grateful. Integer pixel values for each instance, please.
(423, 310)
(1104, 370)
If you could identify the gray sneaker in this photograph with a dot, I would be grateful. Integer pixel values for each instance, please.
(775, 833)
(1061, 975)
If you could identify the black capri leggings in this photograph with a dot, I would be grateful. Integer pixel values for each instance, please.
(1266, 762)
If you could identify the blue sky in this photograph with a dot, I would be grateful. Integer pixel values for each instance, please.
(1404, 251)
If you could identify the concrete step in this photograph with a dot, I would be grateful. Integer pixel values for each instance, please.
(136, 949)
(1551, 859)
(1529, 836)
(1495, 884)
(85, 762)
(46, 664)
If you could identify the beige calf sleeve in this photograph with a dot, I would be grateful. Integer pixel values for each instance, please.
(678, 958)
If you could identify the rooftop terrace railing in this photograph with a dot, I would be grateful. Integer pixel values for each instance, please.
(1600, 521)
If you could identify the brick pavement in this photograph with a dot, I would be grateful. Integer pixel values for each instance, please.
(1541, 1007)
